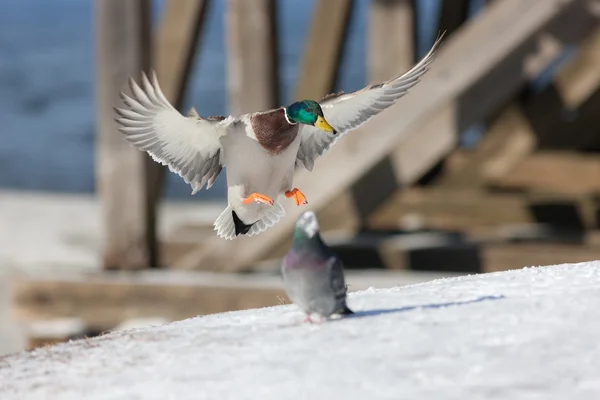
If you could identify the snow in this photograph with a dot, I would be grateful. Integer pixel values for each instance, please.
(521, 334)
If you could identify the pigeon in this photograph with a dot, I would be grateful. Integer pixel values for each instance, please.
(313, 276)
(260, 150)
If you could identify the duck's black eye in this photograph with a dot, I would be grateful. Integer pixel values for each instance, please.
(307, 109)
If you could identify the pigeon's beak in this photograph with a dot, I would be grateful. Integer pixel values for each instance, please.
(323, 125)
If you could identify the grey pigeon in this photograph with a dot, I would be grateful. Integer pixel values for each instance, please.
(313, 276)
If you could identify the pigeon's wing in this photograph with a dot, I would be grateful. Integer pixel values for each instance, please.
(348, 111)
(190, 146)
(336, 278)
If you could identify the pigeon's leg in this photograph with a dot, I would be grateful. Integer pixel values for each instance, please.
(307, 319)
(299, 198)
(259, 198)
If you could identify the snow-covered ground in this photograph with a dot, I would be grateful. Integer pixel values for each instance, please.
(522, 334)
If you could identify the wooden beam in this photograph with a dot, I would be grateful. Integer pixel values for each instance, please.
(105, 300)
(449, 209)
(580, 78)
(478, 258)
(556, 172)
(472, 208)
(323, 49)
(52, 331)
(564, 113)
(501, 257)
(252, 55)
(509, 139)
(176, 41)
(123, 50)
(174, 53)
(511, 136)
(391, 38)
(481, 65)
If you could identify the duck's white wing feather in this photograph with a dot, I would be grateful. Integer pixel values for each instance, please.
(189, 146)
(348, 111)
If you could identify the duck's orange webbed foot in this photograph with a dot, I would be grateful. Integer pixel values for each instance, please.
(258, 198)
(299, 198)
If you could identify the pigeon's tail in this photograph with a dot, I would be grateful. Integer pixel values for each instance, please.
(346, 311)
(229, 225)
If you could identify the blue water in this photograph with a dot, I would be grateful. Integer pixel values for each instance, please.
(47, 110)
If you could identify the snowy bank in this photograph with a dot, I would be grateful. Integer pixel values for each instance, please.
(530, 333)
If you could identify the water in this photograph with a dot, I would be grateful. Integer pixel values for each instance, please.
(47, 120)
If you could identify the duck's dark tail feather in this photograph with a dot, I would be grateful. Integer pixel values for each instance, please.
(228, 225)
(240, 227)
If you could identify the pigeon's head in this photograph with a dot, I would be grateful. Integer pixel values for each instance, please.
(308, 112)
(307, 225)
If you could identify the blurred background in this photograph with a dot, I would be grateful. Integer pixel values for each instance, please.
(490, 163)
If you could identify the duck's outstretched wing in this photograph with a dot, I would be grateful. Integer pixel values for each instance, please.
(348, 111)
(190, 146)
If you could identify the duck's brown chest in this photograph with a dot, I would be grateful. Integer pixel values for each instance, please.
(273, 131)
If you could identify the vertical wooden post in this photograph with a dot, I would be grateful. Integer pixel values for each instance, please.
(323, 49)
(251, 55)
(174, 52)
(391, 52)
(391, 38)
(122, 50)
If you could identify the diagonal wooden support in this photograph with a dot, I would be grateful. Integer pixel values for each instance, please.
(508, 140)
(478, 69)
(564, 113)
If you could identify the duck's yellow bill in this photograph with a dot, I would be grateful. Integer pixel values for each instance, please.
(323, 125)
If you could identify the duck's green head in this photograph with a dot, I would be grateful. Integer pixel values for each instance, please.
(308, 112)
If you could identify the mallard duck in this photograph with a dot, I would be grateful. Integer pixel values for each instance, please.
(260, 149)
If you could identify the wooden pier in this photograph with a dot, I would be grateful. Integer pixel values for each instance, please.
(400, 194)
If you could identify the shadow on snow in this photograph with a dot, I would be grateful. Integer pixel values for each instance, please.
(372, 313)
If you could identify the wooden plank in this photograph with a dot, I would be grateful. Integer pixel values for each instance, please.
(391, 52)
(520, 142)
(480, 66)
(323, 49)
(123, 50)
(391, 38)
(176, 42)
(514, 256)
(477, 258)
(471, 208)
(105, 300)
(448, 209)
(49, 332)
(564, 113)
(509, 139)
(580, 78)
(174, 53)
(252, 55)
(557, 172)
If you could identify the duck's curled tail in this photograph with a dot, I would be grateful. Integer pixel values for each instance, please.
(229, 225)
